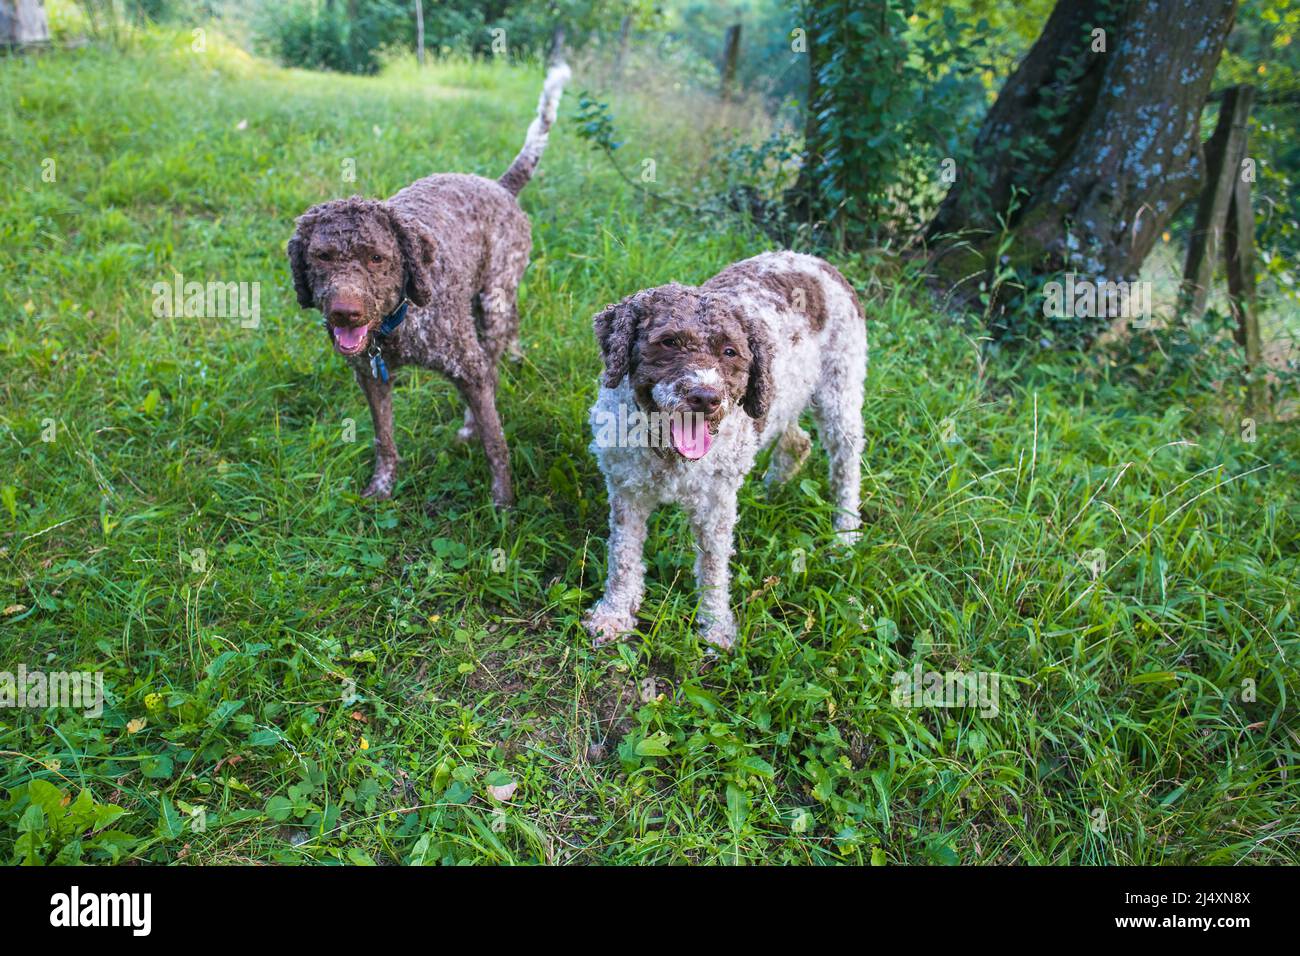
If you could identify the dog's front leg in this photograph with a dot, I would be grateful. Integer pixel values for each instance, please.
(379, 396)
(714, 524)
(615, 614)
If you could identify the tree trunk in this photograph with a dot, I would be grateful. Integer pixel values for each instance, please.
(23, 22)
(1096, 137)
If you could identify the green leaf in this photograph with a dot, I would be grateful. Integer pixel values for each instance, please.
(457, 793)
(171, 823)
(157, 767)
(32, 820)
(656, 745)
(224, 712)
(279, 808)
(737, 807)
(1154, 677)
(47, 796)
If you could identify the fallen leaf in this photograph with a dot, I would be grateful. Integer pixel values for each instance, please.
(503, 792)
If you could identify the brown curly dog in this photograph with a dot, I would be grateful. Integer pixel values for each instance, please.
(427, 277)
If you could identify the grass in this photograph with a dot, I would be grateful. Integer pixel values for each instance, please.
(297, 675)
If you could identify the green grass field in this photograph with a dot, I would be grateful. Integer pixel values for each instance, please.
(294, 674)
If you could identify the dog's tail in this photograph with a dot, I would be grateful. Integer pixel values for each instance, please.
(521, 170)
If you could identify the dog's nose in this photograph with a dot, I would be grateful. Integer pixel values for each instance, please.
(704, 400)
(344, 311)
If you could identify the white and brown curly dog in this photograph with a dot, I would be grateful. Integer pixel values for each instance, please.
(767, 337)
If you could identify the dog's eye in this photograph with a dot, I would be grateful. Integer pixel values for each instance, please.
(325, 256)
(376, 258)
(729, 352)
(671, 342)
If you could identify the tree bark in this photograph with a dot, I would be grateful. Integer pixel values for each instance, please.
(1102, 147)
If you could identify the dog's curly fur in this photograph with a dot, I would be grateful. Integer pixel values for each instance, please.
(456, 247)
(769, 336)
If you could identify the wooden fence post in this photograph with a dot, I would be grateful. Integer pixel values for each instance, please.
(624, 41)
(1239, 247)
(1223, 157)
(419, 32)
(730, 54)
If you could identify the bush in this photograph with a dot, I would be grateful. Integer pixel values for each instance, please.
(346, 38)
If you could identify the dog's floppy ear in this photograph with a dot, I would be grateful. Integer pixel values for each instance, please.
(417, 248)
(297, 250)
(616, 327)
(758, 392)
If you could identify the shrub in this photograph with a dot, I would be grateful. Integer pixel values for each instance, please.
(344, 38)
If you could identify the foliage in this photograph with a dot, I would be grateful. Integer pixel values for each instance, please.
(54, 829)
(739, 186)
(528, 23)
(888, 93)
(596, 123)
(766, 61)
(1264, 51)
(334, 36)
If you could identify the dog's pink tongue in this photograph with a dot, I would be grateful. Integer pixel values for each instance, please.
(690, 435)
(349, 339)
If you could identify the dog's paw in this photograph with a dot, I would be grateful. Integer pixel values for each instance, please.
(607, 626)
(469, 430)
(380, 489)
(846, 540)
(721, 635)
(503, 496)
